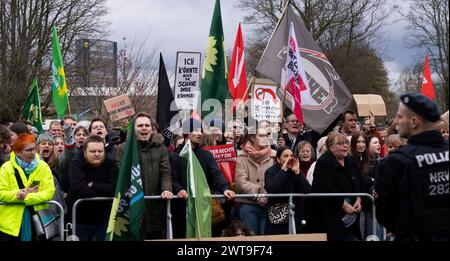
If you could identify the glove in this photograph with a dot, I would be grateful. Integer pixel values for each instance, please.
(68, 138)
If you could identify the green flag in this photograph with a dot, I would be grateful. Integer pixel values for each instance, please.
(128, 206)
(214, 83)
(198, 210)
(32, 108)
(59, 87)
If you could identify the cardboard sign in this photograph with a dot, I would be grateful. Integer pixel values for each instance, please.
(225, 156)
(187, 78)
(369, 102)
(265, 103)
(119, 107)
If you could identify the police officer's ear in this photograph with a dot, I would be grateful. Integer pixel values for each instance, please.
(415, 121)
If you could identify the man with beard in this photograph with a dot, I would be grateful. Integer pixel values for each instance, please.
(92, 174)
(155, 173)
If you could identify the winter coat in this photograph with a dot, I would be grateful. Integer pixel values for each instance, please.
(104, 180)
(331, 177)
(156, 178)
(250, 175)
(11, 216)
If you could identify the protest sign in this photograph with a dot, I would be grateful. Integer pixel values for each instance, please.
(225, 156)
(119, 107)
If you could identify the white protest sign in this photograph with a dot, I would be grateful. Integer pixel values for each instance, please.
(265, 103)
(187, 77)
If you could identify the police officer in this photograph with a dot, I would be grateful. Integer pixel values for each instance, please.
(412, 183)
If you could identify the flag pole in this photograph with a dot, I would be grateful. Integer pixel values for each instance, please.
(68, 105)
(275, 29)
(191, 170)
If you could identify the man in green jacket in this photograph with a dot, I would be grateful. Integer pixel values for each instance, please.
(156, 175)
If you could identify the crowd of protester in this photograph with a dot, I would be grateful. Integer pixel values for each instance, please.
(74, 161)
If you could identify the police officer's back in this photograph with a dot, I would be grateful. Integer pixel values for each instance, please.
(412, 183)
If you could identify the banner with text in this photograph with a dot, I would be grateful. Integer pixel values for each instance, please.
(225, 156)
(119, 107)
(265, 103)
(187, 78)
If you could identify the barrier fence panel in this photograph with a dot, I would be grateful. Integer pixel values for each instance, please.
(75, 205)
(61, 214)
(292, 226)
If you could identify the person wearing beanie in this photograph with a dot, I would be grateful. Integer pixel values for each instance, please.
(412, 182)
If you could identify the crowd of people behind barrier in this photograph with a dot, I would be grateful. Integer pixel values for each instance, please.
(71, 161)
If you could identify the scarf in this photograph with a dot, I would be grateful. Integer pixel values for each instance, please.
(257, 156)
(27, 167)
(25, 229)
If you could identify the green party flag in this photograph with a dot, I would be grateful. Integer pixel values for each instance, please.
(32, 108)
(59, 87)
(198, 211)
(214, 83)
(128, 205)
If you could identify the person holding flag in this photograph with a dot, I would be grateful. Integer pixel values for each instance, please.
(192, 131)
(155, 173)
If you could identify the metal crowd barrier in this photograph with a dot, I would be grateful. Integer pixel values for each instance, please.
(61, 214)
(292, 227)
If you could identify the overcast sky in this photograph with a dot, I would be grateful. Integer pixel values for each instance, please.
(183, 25)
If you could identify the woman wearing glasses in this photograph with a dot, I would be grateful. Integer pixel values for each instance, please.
(36, 186)
(337, 172)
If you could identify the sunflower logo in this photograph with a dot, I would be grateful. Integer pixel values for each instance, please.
(34, 113)
(62, 90)
(211, 55)
(116, 225)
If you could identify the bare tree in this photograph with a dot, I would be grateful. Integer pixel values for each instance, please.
(331, 22)
(410, 79)
(137, 76)
(428, 28)
(25, 43)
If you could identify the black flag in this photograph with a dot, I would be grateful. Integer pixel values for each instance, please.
(329, 94)
(165, 98)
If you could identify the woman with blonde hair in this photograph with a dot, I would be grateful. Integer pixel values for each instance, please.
(337, 172)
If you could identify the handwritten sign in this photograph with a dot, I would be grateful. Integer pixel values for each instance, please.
(265, 103)
(225, 156)
(187, 77)
(119, 107)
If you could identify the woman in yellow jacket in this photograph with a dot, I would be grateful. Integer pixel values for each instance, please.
(15, 220)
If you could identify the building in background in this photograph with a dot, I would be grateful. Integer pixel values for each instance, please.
(97, 63)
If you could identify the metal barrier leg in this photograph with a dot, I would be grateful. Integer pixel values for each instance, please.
(292, 228)
(169, 221)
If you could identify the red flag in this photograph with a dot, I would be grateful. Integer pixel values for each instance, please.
(296, 81)
(237, 75)
(195, 115)
(427, 82)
